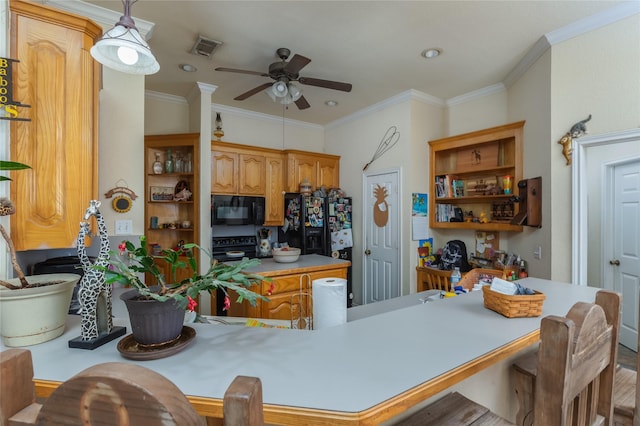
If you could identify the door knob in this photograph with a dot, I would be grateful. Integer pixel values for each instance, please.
(367, 252)
(614, 262)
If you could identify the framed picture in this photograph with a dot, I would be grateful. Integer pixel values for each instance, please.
(161, 193)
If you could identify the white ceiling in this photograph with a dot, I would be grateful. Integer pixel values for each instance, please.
(374, 45)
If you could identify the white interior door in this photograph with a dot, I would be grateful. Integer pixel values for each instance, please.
(626, 248)
(381, 257)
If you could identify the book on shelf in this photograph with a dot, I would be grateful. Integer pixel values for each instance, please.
(458, 187)
(441, 189)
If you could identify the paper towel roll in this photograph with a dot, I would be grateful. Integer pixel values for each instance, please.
(329, 302)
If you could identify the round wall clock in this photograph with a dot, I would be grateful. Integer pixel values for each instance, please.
(121, 203)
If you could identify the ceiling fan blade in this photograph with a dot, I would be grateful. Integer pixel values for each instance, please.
(335, 85)
(262, 74)
(252, 92)
(296, 64)
(302, 103)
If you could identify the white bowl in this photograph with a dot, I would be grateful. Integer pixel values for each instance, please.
(286, 255)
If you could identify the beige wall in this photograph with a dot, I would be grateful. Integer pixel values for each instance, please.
(597, 73)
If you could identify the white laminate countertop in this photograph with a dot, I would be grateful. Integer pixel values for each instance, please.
(269, 267)
(347, 368)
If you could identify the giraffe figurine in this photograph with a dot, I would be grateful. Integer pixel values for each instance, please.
(94, 294)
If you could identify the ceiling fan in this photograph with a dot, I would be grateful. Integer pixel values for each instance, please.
(284, 73)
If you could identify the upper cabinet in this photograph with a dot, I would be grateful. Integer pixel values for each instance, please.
(247, 170)
(59, 79)
(320, 169)
(472, 173)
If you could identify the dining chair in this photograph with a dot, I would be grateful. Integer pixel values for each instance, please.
(433, 279)
(574, 382)
(626, 394)
(114, 393)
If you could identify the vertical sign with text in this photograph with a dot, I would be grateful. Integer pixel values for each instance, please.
(9, 106)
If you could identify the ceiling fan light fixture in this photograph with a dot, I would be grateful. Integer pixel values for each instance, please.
(123, 49)
(294, 92)
(279, 89)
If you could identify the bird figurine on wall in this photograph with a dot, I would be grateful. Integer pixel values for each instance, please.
(577, 130)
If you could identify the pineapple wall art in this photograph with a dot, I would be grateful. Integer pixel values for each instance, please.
(380, 207)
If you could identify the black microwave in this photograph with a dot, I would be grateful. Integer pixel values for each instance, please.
(237, 210)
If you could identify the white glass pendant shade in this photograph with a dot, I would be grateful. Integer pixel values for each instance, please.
(123, 49)
(294, 92)
(291, 92)
(279, 89)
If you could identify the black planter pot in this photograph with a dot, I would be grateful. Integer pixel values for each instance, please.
(153, 322)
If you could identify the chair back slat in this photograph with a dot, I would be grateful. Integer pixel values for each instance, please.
(576, 364)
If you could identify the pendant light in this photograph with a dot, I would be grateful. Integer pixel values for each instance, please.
(123, 49)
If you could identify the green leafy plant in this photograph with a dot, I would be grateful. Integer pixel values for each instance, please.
(127, 265)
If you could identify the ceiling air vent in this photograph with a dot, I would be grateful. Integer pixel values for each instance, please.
(205, 46)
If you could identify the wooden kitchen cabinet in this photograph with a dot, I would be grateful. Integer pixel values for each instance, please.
(59, 79)
(320, 169)
(170, 214)
(286, 294)
(274, 194)
(466, 172)
(237, 170)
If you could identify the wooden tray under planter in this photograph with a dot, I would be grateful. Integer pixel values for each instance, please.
(516, 306)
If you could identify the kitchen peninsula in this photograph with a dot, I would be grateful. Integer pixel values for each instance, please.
(288, 281)
(363, 372)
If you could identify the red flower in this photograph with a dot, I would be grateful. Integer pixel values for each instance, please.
(122, 247)
(271, 288)
(191, 306)
(227, 303)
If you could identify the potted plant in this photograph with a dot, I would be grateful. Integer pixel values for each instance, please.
(32, 309)
(160, 309)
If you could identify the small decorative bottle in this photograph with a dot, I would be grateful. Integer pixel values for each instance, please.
(188, 167)
(455, 278)
(157, 165)
(168, 163)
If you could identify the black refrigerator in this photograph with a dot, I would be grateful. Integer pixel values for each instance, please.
(339, 218)
(305, 224)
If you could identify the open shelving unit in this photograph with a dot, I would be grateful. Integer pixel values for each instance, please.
(172, 214)
(478, 161)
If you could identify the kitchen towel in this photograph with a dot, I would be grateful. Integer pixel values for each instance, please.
(329, 302)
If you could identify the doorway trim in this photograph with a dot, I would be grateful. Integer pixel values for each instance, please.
(579, 193)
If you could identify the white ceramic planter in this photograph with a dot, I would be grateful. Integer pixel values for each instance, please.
(35, 315)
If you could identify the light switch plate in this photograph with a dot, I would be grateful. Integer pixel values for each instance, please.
(124, 227)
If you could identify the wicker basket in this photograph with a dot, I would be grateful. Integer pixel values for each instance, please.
(473, 276)
(516, 306)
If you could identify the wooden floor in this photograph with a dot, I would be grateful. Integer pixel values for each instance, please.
(627, 358)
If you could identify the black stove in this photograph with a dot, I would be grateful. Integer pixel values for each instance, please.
(226, 249)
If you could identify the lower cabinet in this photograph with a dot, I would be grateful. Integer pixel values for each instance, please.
(288, 299)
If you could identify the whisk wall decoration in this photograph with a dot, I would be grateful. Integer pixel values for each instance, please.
(389, 139)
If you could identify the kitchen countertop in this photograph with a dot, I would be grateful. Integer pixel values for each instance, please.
(305, 263)
(361, 372)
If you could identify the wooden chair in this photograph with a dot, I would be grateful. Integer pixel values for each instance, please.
(626, 393)
(576, 367)
(114, 393)
(433, 279)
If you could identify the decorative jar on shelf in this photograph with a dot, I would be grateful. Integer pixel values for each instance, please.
(157, 165)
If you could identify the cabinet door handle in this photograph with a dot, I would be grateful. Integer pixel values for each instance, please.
(615, 262)
(367, 252)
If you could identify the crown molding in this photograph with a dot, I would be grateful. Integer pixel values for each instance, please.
(405, 96)
(590, 23)
(106, 18)
(476, 94)
(263, 117)
(198, 89)
(165, 97)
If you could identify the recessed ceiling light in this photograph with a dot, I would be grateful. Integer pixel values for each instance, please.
(331, 103)
(431, 52)
(188, 68)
